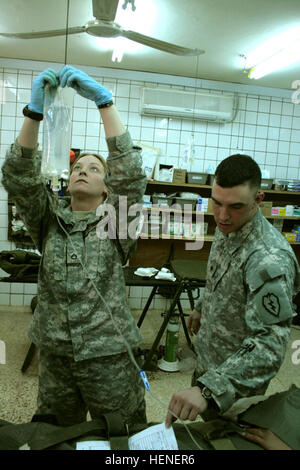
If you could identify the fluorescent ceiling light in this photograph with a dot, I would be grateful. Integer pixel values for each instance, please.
(277, 53)
(282, 59)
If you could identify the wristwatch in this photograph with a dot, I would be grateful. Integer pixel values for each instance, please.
(207, 394)
(105, 105)
(32, 114)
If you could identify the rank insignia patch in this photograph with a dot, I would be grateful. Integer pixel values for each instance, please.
(271, 304)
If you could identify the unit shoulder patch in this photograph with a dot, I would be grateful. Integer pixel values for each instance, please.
(271, 303)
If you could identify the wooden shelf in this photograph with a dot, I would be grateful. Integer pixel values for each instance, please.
(207, 238)
(173, 185)
(178, 211)
(274, 191)
(207, 186)
(284, 217)
(156, 208)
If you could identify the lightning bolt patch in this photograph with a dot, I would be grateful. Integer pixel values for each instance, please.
(271, 304)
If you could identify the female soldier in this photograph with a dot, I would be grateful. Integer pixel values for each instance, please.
(84, 363)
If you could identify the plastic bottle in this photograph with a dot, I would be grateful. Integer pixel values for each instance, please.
(199, 204)
(169, 362)
(172, 341)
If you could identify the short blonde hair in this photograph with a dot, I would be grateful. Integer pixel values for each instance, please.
(84, 154)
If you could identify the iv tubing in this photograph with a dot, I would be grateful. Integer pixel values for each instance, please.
(124, 340)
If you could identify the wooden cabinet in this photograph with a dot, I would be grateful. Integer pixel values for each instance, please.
(159, 249)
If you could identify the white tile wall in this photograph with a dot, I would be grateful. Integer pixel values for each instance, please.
(267, 127)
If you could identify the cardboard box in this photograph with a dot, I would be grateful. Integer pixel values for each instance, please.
(290, 237)
(278, 211)
(266, 208)
(179, 176)
(210, 179)
(164, 172)
(204, 205)
(266, 183)
(184, 202)
(197, 178)
(162, 200)
(282, 211)
(209, 206)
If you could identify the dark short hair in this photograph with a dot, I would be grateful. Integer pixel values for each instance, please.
(238, 169)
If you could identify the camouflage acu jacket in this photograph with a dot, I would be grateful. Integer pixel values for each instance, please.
(252, 275)
(70, 318)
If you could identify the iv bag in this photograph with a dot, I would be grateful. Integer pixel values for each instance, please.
(189, 154)
(58, 103)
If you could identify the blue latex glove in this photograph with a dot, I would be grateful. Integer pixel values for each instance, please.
(37, 93)
(84, 85)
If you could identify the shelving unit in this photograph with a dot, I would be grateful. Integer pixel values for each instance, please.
(165, 209)
(205, 190)
(20, 236)
(161, 249)
(164, 248)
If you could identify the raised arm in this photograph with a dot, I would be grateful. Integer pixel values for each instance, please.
(21, 173)
(28, 136)
(125, 178)
(89, 88)
(112, 122)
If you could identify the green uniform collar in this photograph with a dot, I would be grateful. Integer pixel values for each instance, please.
(235, 239)
(78, 222)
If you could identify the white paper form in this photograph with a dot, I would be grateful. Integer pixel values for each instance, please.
(156, 437)
(93, 445)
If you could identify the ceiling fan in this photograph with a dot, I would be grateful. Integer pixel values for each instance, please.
(104, 26)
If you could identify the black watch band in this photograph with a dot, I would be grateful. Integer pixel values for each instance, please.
(105, 105)
(32, 114)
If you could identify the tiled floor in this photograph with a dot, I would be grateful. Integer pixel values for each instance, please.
(164, 384)
(18, 391)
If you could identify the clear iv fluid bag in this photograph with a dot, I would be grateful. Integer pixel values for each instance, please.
(57, 127)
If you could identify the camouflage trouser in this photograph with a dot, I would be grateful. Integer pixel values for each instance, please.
(69, 389)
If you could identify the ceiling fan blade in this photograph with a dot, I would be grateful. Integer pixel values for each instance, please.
(160, 45)
(45, 34)
(105, 9)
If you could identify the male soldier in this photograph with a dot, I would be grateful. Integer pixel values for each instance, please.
(243, 321)
(84, 362)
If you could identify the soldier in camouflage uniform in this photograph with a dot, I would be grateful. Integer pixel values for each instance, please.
(242, 323)
(84, 363)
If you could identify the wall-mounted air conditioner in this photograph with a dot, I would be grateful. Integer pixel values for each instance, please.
(187, 105)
